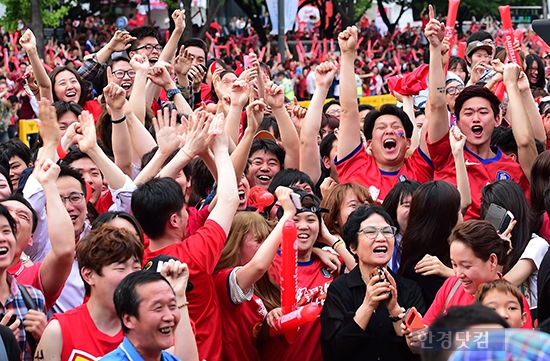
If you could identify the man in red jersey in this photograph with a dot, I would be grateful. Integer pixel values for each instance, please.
(388, 132)
(477, 114)
(158, 205)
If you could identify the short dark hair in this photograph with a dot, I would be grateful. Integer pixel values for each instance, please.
(328, 104)
(62, 107)
(110, 215)
(459, 318)
(141, 33)
(198, 43)
(479, 35)
(68, 171)
(362, 107)
(396, 195)
(326, 144)
(154, 202)
(4, 212)
(14, 147)
(269, 121)
(503, 138)
(289, 178)
(387, 109)
(106, 245)
(353, 224)
(474, 91)
(18, 197)
(126, 298)
(268, 146)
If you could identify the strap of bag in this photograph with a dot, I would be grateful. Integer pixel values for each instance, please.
(3, 352)
(30, 305)
(451, 294)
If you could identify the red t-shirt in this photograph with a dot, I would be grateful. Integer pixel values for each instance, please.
(104, 203)
(361, 167)
(240, 323)
(94, 108)
(480, 171)
(82, 341)
(31, 276)
(201, 252)
(313, 282)
(460, 298)
(196, 219)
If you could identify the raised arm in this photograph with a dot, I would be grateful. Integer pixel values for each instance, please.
(309, 149)
(28, 42)
(172, 45)
(140, 64)
(159, 75)
(239, 157)
(438, 124)
(88, 144)
(240, 95)
(275, 98)
(458, 140)
(349, 132)
(59, 261)
(517, 115)
(121, 41)
(251, 272)
(115, 98)
(228, 198)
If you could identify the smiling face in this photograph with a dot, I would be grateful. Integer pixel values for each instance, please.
(389, 143)
(158, 315)
(7, 243)
(23, 220)
(77, 212)
(471, 270)
(507, 306)
(91, 174)
(67, 87)
(17, 166)
(153, 54)
(123, 68)
(377, 251)
(307, 225)
(533, 73)
(244, 190)
(477, 122)
(263, 167)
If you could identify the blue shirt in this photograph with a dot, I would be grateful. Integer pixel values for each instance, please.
(127, 351)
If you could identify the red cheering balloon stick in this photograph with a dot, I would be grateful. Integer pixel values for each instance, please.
(261, 196)
(289, 276)
(509, 34)
(293, 320)
(450, 27)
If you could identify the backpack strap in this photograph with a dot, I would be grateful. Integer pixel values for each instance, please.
(451, 294)
(3, 352)
(30, 305)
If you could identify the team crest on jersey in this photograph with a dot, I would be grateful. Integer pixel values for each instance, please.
(502, 175)
(78, 355)
(402, 178)
(374, 192)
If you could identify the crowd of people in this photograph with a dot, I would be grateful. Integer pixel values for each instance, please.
(147, 218)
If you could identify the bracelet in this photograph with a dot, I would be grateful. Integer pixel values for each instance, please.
(60, 151)
(395, 319)
(187, 154)
(118, 121)
(171, 93)
(337, 243)
(185, 304)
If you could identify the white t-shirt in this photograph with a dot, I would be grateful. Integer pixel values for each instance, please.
(535, 251)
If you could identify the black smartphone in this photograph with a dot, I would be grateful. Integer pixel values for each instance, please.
(499, 217)
(12, 319)
(380, 272)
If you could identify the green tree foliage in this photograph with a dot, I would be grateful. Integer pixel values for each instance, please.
(18, 10)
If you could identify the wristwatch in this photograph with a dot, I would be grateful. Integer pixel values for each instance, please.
(171, 93)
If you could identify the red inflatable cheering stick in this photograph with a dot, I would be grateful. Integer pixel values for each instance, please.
(260, 196)
(289, 276)
(293, 320)
(509, 34)
(450, 27)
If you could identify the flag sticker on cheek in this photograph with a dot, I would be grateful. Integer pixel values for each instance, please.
(401, 133)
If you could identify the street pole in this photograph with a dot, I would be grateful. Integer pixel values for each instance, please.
(281, 29)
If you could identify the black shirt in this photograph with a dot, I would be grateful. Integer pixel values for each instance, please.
(341, 336)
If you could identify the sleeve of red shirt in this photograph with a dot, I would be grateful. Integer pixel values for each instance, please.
(221, 284)
(349, 166)
(205, 247)
(440, 151)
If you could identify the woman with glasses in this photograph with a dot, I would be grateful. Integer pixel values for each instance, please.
(361, 318)
(535, 71)
(453, 86)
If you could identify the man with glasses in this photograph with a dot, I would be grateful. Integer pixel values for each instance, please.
(146, 42)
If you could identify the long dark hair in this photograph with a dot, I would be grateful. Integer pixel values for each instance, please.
(509, 195)
(434, 213)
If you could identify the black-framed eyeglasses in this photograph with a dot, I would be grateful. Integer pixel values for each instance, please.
(149, 48)
(372, 232)
(120, 74)
(454, 90)
(74, 198)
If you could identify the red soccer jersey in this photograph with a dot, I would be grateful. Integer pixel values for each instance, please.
(313, 282)
(31, 276)
(240, 323)
(82, 341)
(480, 171)
(460, 298)
(361, 167)
(201, 252)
